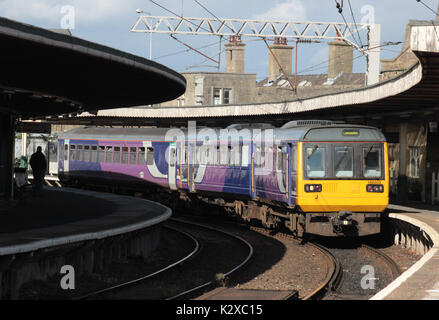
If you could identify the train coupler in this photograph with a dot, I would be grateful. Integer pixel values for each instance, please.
(341, 220)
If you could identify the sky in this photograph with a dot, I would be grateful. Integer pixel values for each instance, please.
(108, 22)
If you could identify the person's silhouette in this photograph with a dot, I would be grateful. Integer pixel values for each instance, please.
(39, 165)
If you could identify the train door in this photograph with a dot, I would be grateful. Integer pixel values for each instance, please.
(286, 156)
(172, 166)
(252, 165)
(66, 155)
(185, 167)
(60, 155)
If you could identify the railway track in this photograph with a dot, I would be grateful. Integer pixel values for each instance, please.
(124, 285)
(187, 270)
(355, 273)
(338, 273)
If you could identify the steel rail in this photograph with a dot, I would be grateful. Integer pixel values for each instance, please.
(236, 268)
(333, 276)
(192, 254)
(393, 266)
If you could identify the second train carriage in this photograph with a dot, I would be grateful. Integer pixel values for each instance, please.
(316, 177)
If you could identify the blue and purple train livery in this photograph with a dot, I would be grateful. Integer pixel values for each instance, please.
(315, 177)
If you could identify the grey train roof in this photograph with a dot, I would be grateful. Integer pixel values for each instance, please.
(158, 134)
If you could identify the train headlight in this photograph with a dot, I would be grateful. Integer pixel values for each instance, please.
(377, 188)
(313, 188)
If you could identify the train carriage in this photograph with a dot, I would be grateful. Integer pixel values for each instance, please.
(314, 177)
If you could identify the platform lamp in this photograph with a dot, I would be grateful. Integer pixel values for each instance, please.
(139, 11)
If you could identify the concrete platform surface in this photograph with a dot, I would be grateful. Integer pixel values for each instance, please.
(64, 215)
(421, 281)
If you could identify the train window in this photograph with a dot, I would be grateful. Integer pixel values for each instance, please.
(101, 154)
(133, 155)
(372, 162)
(116, 155)
(344, 162)
(94, 154)
(218, 155)
(279, 158)
(294, 158)
(150, 157)
(269, 158)
(245, 156)
(87, 153)
(315, 162)
(172, 157)
(66, 152)
(72, 152)
(258, 157)
(185, 156)
(230, 155)
(142, 156)
(108, 154)
(79, 153)
(125, 155)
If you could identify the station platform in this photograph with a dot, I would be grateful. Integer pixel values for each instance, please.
(68, 215)
(421, 281)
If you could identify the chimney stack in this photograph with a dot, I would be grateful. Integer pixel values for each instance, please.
(341, 58)
(284, 54)
(235, 55)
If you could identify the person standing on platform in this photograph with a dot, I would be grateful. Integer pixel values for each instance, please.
(39, 165)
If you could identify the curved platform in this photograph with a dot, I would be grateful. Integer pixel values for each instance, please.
(421, 281)
(65, 216)
(81, 228)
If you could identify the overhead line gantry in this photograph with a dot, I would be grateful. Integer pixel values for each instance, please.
(296, 30)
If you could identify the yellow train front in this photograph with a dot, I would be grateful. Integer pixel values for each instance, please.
(342, 180)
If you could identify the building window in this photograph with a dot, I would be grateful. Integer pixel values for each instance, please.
(180, 101)
(226, 96)
(216, 96)
(415, 162)
(221, 96)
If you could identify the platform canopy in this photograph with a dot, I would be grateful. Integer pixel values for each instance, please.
(50, 73)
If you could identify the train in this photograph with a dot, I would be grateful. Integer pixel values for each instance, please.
(314, 177)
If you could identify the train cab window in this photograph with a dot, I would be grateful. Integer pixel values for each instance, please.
(79, 153)
(315, 166)
(108, 154)
(101, 154)
(133, 155)
(372, 162)
(87, 153)
(72, 152)
(94, 154)
(141, 157)
(66, 152)
(125, 155)
(150, 157)
(116, 155)
(344, 162)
